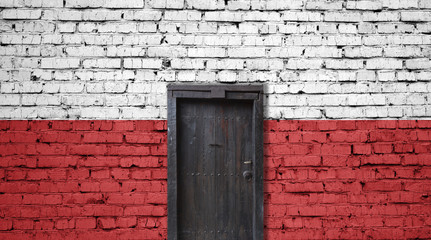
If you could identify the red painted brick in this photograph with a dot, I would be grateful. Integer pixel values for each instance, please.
(106, 223)
(85, 223)
(313, 189)
(5, 224)
(383, 147)
(105, 125)
(23, 224)
(102, 137)
(362, 149)
(301, 160)
(126, 222)
(65, 224)
(384, 186)
(123, 126)
(82, 125)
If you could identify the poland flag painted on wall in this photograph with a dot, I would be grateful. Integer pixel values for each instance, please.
(83, 109)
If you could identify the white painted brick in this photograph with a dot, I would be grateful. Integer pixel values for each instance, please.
(227, 76)
(260, 64)
(323, 51)
(406, 76)
(82, 100)
(343, 40)
(286, 100)
(85, 51)
(424, 76)
(262, 16)
(124, 51)
(223, 16)
(99, 113)
(344, 64)
(101, 15)
(384, 63)
(304, 64)
(380, 16)
(288, 28)
(182, 15)
(302, 112)
(403, 51)
(301, 16)
(168, 76)
(205, 4)
(140, 113)
(420, 63)
(71, 87)
(9, 99)
(172, 52)
(364, 5)
(21, 14)
(342, 16)
(262, 41)
(347, 28)
(363, 52)
(228, 64)
(66, 27)
(146, 63)
(60, 63)
(70, 15)
(147, 27)
(246, 52)
(204, 76)
(282, 5)
(206, 52)
(102, 63)
(324, 5)
(84, 3)
(222, 40)
(400, 4)
(286, 52)
(300, 40)
(144, 15)
(238, 5)
(169, 4)
(186, 76)
(7, 3)
(424, 4)
(124, 4)
(187, 63)
(41, 100)
(416, 16)
(248, 28)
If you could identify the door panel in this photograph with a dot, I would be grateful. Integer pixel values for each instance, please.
(214, 148)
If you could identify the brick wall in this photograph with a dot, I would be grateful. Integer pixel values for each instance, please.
(109, 59)
(347, 179)
(83, 179)
(107, 179)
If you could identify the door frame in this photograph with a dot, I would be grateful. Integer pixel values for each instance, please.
(221, 91)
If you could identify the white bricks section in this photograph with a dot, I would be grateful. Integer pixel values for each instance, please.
(318, 59)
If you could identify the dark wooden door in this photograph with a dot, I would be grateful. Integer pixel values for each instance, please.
(215, 172)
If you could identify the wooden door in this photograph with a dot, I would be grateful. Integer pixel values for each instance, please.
(217, 164)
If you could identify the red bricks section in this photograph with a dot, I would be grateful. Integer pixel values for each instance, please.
(83, 180)
(347, 179)
(107, 179)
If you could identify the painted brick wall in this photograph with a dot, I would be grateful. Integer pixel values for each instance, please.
(107, 179)
(83, 180)
(109, 59)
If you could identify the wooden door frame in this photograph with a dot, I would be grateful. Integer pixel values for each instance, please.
(222, 91)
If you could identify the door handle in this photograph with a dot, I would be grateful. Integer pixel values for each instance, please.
(248, 175)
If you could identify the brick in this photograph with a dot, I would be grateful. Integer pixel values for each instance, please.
(85, 223)
(416, 16)
(21, 14)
